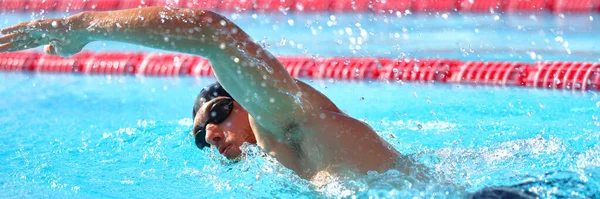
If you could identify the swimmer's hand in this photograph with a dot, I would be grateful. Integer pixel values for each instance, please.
(57, 34)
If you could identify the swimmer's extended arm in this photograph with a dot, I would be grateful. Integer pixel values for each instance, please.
(253, 76)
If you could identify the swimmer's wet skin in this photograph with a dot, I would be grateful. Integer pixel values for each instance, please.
(255, 101)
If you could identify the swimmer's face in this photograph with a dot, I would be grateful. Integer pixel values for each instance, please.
(228, 135)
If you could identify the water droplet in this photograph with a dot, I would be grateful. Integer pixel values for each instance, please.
(558, 39)
(445, 16)
(222, 46)
(54, 24)
(532, 54)
(272, 100)
(348, 31)
(223, 23)
(496, 18)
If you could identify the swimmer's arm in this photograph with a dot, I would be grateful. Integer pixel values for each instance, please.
(253, 76)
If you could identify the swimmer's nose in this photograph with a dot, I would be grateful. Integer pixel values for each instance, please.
(213, 134)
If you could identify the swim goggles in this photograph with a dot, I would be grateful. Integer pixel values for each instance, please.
(218, 112)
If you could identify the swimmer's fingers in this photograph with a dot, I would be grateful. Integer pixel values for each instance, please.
(21, 27)
(20, 45)
(13, 37)
(40, 25)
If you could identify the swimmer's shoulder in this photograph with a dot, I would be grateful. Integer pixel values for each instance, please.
(316, 98)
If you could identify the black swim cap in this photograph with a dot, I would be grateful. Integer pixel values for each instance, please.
(208, 93)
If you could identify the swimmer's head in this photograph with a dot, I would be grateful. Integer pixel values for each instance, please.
(208, 93)
(220, 121)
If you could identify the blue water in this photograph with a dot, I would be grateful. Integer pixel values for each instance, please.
(78, 136)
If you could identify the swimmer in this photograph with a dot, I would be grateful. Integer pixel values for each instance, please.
(254, 100)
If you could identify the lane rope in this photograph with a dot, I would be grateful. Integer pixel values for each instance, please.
(543, 74)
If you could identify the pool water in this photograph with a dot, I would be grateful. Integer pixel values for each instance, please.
(66, 136)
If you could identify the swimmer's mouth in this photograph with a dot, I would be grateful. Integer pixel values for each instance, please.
(223, 149)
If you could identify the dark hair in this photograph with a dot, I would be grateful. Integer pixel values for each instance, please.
(208, 93)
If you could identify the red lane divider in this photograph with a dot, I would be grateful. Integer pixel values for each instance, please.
(377, 6)
(493, 73)
(525, 5)
(235, 5)
(548, 74)
(110, 63)
(480, 5)
(13, 6)
(350, 5)
(434, 5)
(37, 6)
(18, 61)
(101, 4)
(572, 5)
(311, 5)
(52, 63)
(71, 6)
(273, 5)
(390, 6)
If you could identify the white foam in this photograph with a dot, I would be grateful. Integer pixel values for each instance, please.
(591, 158)
(186, 122)
(146, 123)
(436, 126)
(472, 166)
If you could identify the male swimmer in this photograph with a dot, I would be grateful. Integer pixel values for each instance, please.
(254, 101)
